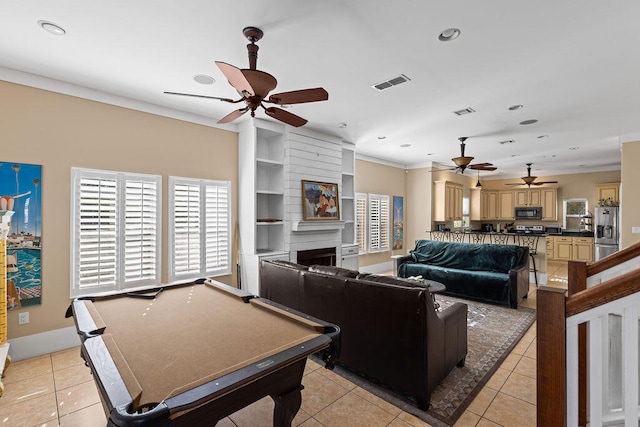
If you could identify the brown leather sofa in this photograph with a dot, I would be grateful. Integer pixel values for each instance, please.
(391, 331)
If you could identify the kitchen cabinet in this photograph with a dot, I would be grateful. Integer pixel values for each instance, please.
(506, 205)
(563, 248)
(583, 248)
(549, 203)
(489, 205)
(528, 197)
(550, 247)
(566, 248)
(608, 191)
(447, 199)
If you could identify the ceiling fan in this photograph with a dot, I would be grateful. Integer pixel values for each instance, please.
(463, 162)
(254, 86)
(530, 180)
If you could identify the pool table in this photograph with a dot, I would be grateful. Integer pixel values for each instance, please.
(194, 353)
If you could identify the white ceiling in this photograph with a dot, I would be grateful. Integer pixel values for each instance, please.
(573, 64)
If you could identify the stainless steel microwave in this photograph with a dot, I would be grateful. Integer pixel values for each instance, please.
(529, 212)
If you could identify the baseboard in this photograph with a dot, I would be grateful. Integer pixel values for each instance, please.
(43, 343)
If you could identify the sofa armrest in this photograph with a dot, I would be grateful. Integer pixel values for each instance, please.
(455, 332)
(401, 260)
(519, 280)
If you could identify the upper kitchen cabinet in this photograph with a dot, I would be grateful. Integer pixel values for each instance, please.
(447, 200)
(506, 203)
(610, 190)
(549, 203)
(527, 197)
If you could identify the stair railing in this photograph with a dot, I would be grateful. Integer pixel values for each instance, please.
(604, 295)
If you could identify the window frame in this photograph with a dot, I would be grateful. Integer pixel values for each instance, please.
(582, 215)
(119, 201)
(203, 271)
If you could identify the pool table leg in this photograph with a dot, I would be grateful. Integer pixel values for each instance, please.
(287, 406)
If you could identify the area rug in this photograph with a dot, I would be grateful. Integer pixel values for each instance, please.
(492, 332)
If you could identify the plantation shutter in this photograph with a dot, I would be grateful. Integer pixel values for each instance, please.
(115, 231)
(361, 222)
(186, 229)
(218, 225)
(200, 228)
(378, 223)
(141, 231)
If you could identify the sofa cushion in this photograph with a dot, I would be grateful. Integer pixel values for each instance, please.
(467, 256)
(334, 271)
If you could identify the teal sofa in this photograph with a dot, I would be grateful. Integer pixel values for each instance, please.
(497, 274)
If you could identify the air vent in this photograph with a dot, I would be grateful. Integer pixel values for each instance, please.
(508, 141)
(391, 82)
(467, 110)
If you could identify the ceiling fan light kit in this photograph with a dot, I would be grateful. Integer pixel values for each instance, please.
(530, 180)
(254, 85)
(463, 162)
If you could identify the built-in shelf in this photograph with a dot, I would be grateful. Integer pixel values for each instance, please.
(323, 225)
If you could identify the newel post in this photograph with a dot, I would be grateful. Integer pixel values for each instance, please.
(551, 357)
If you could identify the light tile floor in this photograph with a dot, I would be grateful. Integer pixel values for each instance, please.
(57, 390)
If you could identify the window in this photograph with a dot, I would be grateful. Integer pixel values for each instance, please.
(464, 223)
(199, 228)
(116, 231)
(378, 217)
(574, 212)
(361, 222)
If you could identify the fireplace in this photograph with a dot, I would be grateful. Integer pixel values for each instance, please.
(322, 256)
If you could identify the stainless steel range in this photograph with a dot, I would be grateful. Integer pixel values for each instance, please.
(530, 229)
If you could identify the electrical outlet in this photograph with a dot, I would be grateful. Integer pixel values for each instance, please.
(635, 230)
(23, 318)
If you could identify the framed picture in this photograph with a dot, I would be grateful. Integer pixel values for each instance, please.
(398, 221)
(320, 201)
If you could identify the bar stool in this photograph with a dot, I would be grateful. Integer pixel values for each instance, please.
(476, 237)
(500, 238)
(531, 241)
(456, 236)
(438, 235)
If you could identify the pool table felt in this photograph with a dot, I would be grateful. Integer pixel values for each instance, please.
(190, 335)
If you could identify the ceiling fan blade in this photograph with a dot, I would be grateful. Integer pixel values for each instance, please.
(515, 183)
(236, 78)
(233, 115)
(285, 116)
(203, 96)
(481, 164)
(299, 96)
(544, 182)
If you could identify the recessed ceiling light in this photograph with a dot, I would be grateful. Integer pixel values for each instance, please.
(52, 28)
(409, 145)
(516, 107)
(382, 137)
(515, 155)
(285, 105)
(342, 125)
(203, 79)
(529, 122)
(449, 34)
(543, 136)
(508, 141)
(574, 148)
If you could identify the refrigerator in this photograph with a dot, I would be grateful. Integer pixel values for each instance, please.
(606, 221)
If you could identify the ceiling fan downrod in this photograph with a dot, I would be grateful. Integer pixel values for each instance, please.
(253, 34)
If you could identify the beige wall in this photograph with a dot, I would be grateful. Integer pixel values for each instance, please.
(375, 178)
(630, 202)
(60, 132)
